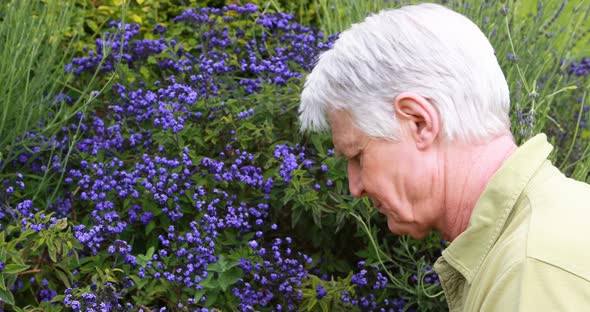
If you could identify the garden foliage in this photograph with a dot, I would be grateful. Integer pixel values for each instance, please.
(184, 183)
(31, 72)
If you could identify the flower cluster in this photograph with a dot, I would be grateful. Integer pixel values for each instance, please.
(167, 189)
(278, 268)
(115, 47)
(292, 157)
(580, 68)
(368, 282)
(103, 298)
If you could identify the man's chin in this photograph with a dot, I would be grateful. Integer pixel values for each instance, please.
(400, 230)
(418, 236)
(396, 229)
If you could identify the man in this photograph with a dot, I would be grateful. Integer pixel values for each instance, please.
(418, 104)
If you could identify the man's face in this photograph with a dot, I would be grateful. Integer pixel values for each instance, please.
(394, 175)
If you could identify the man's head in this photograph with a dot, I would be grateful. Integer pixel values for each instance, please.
(426, 49)
(397, 90)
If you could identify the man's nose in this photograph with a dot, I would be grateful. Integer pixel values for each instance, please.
(355, 183)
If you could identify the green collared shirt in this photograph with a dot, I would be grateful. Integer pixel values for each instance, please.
(527, 245)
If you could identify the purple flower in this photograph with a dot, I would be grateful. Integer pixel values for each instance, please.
(320, 292)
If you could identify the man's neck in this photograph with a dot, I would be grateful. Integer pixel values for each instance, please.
(468, 169)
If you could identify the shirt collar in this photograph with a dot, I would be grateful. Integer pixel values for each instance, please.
(468, 250)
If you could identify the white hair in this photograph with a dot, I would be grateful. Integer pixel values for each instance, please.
(426, 49)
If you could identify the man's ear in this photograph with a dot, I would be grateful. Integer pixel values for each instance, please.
(418, 117)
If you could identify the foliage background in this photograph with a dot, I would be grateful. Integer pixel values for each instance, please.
(63, 249)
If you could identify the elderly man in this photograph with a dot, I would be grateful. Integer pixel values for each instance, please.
(418, 104)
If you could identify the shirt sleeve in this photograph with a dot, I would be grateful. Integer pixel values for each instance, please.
(534, 285)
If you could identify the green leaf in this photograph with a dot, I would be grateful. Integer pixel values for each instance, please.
(229, 278)
(230, 264)
(140, 282)
(58, 298)
(288, 195)
(312, 304)
(214, 267)
(112, 279)
(144, 72)
(150, 227)
(317, 216)
(17, 309)
(324, 305)
(51, 249)
(209, 282)
(362, 253)
(7, 297)
(295, 216)
(2, 284)
(143, 259)
(211, 298)
(317, 144)
(92, 25)
(12, 228)
(230, 239)
(10, 280)
(15, 268)
(199, 294)
(63, 277)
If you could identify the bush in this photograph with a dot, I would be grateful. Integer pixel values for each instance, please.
(186, 189)
(188, 186)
